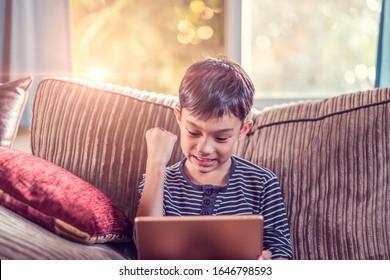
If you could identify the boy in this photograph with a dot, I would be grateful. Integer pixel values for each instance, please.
(216, 96)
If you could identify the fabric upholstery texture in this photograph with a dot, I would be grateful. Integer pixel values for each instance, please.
(21, 239)
(332, 156)
(96, 131)
(58, 200)
(333, 160)
(13, 98)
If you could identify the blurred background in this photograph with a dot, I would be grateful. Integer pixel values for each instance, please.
(293, 50)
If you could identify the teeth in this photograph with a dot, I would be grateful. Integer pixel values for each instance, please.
(203, 159)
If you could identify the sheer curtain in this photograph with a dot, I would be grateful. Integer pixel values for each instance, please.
(383, 56)
(35, 40)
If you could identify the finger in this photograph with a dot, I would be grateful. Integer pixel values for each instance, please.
(266, 255)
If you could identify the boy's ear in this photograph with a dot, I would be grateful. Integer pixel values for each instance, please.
(245, 128)
(177, 112)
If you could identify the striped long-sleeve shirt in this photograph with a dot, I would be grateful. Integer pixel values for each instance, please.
(251, 189)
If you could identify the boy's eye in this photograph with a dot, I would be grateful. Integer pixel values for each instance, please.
(194, 134)
(221, 139)
(198, 134)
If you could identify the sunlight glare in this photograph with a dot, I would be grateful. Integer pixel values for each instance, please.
(361, 71)
(98, 74)
(197, 6)
(349, 77)
(373, 5)
(205, 32)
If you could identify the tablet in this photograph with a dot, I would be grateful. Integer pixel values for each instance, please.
(199, 237)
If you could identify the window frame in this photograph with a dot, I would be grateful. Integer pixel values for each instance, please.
(238, 45)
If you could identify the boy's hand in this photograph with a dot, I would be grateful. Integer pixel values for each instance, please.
(266, 255)
(160, 145)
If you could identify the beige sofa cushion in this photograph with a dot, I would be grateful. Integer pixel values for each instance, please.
(97, 130)
(333, 160)
(332, 156)
(13, 98)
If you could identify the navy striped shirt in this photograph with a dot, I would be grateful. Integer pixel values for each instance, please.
(251, 189)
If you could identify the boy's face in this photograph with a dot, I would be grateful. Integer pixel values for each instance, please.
(208, 145)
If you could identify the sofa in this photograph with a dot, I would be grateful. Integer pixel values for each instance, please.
(332, 157)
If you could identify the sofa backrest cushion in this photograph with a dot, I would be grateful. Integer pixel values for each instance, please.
(332, 157)
(13, 98)
(96, 131)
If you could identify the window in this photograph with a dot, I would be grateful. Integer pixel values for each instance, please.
(292, 49)
(311, 48)
(144, 44)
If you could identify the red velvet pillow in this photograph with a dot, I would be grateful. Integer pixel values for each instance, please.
(58, 200)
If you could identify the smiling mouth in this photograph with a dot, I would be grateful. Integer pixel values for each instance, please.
(203, 159)
(205, 162)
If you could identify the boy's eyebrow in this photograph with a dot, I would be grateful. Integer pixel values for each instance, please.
(219, 130)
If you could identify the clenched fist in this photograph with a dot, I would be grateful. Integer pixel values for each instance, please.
(160, 143)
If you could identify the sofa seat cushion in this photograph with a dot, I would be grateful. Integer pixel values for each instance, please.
(22, 239)
(58, 200)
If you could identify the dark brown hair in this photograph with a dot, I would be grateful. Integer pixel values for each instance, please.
(214, 87)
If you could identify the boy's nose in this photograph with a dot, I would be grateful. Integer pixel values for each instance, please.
(204, 147)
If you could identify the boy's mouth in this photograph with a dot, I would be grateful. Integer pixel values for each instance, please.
(203, 159)
(205, 162)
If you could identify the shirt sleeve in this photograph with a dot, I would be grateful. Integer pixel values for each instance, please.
(276, 227)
